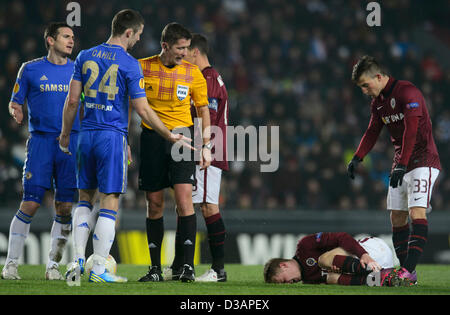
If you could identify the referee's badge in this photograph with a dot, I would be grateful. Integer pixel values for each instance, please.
(182, 91)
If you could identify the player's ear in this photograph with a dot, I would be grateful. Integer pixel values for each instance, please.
(283, 264)
(50, 41)
(129, 32)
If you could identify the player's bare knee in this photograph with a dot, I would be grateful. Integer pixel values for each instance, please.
(184, 204)
(29, 207)
(418, 213)
(209, 209)
(89, 195)
(185, 209)
(63, 208)
(399, 218)
(154, 210)
(204, 208)
(155, 206)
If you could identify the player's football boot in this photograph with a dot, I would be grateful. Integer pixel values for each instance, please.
(73, 274)
(52, 273)
(9, 271)
(106, 277)
(188, 274)
(212, 276)
(170, 273)
(153, 275)
(407, 278)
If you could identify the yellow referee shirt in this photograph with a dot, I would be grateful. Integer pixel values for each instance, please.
(170, 91)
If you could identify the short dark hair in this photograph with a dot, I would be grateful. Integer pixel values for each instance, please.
(52, 30)
(124, 20)
(172, 32)
(366, 65)
(199, 41)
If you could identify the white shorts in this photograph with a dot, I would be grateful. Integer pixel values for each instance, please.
(415, 190)
(207, 188)
(378, 250)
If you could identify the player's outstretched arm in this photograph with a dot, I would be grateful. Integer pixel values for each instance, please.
(149, 117)
(69, 114)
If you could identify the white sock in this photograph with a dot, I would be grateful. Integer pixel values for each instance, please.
(82, 226)
(93, 218)
(18, 232)
(59, 235)
(103, 238)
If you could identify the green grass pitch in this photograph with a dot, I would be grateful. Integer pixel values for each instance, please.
(242, 280)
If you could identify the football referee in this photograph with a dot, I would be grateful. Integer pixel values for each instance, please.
(171, 84)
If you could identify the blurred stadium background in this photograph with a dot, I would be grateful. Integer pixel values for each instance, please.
(285, 63)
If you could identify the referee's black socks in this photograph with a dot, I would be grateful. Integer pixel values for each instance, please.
(188, 231)
(155, 235)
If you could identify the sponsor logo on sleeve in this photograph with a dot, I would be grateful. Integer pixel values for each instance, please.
(412, 105)
(213, 103)
(16, 88)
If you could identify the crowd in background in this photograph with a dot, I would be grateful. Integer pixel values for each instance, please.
(285, 63)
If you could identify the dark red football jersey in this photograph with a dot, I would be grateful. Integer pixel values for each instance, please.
(311, 247)
(218, 111)
(396, 106)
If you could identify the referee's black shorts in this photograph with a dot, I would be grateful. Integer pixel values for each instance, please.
(157, 168)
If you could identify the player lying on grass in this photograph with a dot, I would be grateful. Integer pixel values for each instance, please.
(335, 258)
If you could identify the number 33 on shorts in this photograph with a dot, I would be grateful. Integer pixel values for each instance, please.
(415, 191)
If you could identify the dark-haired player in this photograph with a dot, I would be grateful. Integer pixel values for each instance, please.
(400, 106)
(335, 258)
(111, 80)
(207, 188)
(43, 84)
(171, 84)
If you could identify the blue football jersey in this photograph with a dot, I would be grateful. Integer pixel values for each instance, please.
(109, 75)
(44, 85)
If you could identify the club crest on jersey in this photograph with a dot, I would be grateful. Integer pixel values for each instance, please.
(392, 103)
(182, 91)
(311, 262)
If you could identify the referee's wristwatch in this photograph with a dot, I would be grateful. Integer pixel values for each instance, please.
(207, 145)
